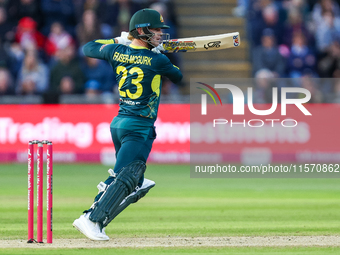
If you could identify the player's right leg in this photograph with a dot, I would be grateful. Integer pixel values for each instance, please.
(134, 196)
(92, 223)
(134, 147)
(125, 182)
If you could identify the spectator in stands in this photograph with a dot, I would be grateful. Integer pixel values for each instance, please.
(124, 15)
(301, 59)
(118, 14)
(6, 34)
(3, 2)
(329, 64)
(100, 72)
(327, 32)
(6, 27)
(58, 39)
(33, 76)
(18, 9)
(92, 89)
(295, 24)
(67, 66)
(67, 86)
(267, 56)
(6, 85)
(324, 6)
(264, 80)
(269, 19)
(98, 6)
(4, 57)
(94, 94)
(58, 10)
(16, 57)
(171, 12)
(300, 6)
(88, 29)
(309, 83)
(100, 9)
(242, 7)
(28, 36)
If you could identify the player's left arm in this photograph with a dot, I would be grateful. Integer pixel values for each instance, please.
(101, 49)
(95, 48)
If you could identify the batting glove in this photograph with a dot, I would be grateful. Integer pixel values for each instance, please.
(123, 39)
(158, 49)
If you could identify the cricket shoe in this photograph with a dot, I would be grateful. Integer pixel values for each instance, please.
(139, 192)
(89, 228)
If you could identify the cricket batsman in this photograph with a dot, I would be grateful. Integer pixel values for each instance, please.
(138, 68)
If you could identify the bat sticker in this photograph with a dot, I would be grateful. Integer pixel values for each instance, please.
(236, 41)
(215, 44)
(179, 45)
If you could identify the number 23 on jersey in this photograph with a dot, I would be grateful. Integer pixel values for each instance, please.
(155, 84)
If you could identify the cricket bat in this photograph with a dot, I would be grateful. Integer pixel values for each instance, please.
(202, 43)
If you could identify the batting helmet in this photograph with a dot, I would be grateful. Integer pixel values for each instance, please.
(147, 18)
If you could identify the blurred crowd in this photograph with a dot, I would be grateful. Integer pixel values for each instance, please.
(41, 42)
(297, 39)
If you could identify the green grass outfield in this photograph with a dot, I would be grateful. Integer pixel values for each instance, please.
(169, 251)
(180, 206)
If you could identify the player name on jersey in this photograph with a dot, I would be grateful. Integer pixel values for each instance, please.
(132, 59)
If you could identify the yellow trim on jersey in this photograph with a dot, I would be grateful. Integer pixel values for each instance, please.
(137, 47)
(156, 83)
(102, 41)
(176, 67)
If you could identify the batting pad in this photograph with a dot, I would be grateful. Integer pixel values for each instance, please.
(132, 198)
(125, 183)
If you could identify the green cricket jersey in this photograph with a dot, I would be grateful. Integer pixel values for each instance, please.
(138, 72)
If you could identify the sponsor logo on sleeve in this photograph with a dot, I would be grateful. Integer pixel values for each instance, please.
(103, 46)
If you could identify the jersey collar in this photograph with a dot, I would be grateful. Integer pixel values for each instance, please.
(137, 47)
